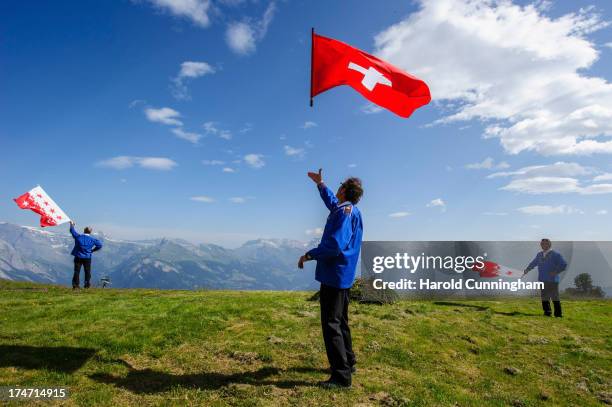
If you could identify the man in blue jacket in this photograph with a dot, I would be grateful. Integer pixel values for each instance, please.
(550, 264)
(337, 257)
(84, 246)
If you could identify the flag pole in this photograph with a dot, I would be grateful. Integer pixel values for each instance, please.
(311, 62)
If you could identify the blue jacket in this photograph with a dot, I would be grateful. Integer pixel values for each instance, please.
(338, 252)
(553, 263)
(84, 245)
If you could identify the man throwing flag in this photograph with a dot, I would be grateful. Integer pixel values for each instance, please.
(336, 257)
(84, 246)
(550, 264)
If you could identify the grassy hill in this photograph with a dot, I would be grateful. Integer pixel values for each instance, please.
(148, 347)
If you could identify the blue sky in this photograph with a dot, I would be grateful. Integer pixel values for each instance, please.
(516, 144)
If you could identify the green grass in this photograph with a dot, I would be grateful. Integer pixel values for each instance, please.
(149, 347)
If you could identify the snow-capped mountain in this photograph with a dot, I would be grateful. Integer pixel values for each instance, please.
(39, 255)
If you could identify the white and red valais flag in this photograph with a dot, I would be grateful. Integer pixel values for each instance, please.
(491, 269)
(37, 200)
(334, 63)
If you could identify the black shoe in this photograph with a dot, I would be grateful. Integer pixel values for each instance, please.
(558, 316)
(333, 384)
(547, 315)
(353, 369)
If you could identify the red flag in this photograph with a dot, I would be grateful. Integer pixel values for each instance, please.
(335, 63)
(37, 200)
(491, 269)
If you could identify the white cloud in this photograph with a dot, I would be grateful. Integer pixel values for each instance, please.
(560, 177)
(437, 203)
(308, 125)
(156, 163)
(254, 160)
(136, 102)
(371, 108)
(551, 185)
(192, 69)
(242, 36)
(293, 151)
(186, 135)
(246, 128)
(399, 214)
(238, 200)
(213, 162)
(212, 129)
(228, 170)
(495, 213)
(314, 232)
(549, 210)
(118, 163)
(596, 189)
(558, 169)
(189, 70)
(515, 67)
(352, 165)
(543, 185)
(608, 44)
(603, 177)
(202, 198)
(488, 164)
(151, 163)
(602, 212)
(194, 10)
(164, 115)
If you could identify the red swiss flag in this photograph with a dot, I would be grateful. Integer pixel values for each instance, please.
(335, 63)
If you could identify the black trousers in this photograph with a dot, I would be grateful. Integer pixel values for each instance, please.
(336, 332)
(86, 263)
(551, 292)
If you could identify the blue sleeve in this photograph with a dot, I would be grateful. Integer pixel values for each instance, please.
(97, 245)
(336, 240)
(533, 263)
(561, 263)
(328, 196)
(73, 232)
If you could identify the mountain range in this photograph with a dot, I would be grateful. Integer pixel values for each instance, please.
(33, 254)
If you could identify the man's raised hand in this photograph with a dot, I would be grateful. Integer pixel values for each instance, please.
(316, 177)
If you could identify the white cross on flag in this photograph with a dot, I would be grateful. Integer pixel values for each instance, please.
(37, 200)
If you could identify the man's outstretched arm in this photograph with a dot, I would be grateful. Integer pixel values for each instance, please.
(531, 265)
(327, 195)
(73, 232)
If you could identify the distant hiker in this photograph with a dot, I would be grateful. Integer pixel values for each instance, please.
(336, 257)
(550, 264)
(84, 246)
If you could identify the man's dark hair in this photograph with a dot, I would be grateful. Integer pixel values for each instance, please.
(352, 190)
(546, 240)
(87, 229)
